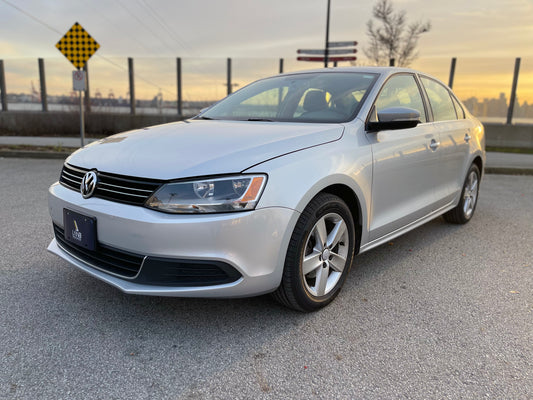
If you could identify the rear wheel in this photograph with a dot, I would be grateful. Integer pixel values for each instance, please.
(319, 256)
(467, 205)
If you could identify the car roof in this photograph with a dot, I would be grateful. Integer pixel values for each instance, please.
(374, 70)
(382, 71)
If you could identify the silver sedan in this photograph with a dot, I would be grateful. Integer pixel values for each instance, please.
(274, 189)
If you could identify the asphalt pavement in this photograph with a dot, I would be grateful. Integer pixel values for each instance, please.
(443, 312)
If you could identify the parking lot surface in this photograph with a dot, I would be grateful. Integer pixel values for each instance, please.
(442, 312)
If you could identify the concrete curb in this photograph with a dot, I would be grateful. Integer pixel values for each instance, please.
(33, 154)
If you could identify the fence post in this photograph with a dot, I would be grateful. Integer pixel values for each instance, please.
(179, 100)
(132, 86)
(326, 45)
(87, 92)
(391, 62)
(281, 65)
(44, 97)
(513, 92)
(229, 76)
(452, 72)
(3, 94)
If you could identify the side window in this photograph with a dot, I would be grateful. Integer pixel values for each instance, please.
(440, 100)
(401, 91)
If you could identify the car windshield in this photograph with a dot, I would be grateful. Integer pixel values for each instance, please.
(330, 97)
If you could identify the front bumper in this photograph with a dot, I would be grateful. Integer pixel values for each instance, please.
(252, 243)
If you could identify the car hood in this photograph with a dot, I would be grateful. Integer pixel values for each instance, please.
(197, 148)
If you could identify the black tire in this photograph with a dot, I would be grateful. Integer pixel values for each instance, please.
(469, 195)
(325, 216)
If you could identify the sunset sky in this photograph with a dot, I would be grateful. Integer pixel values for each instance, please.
(485, 36)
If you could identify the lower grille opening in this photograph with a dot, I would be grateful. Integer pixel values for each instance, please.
(155, 271)
(170, 272)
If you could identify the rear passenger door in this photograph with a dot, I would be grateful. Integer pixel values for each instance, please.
(454, 134)
(406, 168)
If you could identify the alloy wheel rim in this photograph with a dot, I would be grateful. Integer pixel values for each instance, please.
(325, 254)
(470, 194)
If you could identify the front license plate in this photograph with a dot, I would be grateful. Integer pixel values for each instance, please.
(80, 229)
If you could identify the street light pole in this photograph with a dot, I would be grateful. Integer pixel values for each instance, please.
(327, 38)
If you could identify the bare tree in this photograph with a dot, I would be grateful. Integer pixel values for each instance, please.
(394, 38)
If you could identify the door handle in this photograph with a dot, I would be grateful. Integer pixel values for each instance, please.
(467, 137)
(434, 144)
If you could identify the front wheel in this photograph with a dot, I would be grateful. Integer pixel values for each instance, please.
(467, 204)
(319, 256)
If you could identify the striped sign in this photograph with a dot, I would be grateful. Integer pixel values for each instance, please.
(331, 52)
(332, 59)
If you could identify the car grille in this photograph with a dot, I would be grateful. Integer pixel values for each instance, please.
(119, 188)
(115, 261)
(149, 270)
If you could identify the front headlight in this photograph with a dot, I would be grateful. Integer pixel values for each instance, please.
(233, 193)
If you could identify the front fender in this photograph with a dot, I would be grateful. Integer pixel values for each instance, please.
(295, 179)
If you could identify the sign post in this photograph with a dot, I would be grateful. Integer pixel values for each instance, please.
(331, 53)
(78, 46)
(79, 84)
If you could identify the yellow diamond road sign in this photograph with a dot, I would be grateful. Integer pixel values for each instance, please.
(77, 45)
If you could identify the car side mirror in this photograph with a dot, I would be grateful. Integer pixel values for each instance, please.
(394, 118)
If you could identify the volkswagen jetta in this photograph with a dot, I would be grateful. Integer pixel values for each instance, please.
(273, 189)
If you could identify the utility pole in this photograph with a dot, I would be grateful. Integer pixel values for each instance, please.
(327, 38)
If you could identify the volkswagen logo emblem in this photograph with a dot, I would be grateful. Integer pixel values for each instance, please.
(88, 184)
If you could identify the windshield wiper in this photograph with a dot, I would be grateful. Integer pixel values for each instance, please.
(260, 119)
(208, 118)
